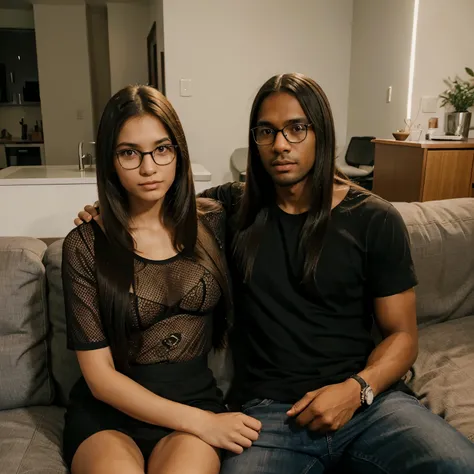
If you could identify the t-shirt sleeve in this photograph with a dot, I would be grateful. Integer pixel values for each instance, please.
(83, 322)
(227, 194)
(390, 264)
(215, 220)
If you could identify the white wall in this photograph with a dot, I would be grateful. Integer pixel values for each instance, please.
(64, 76)
(381, 41)
(445, 46)
(16, 18)
(229, 49)
(129, 25)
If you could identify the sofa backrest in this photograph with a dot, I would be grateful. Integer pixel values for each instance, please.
(24, 376)
(442, 242)
(64, 363)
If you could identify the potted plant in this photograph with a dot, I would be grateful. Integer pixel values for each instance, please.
(460, 96)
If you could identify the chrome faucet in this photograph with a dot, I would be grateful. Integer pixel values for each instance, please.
(81, 155)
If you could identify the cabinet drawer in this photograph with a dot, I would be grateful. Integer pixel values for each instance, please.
(448, 174)
(472, 178)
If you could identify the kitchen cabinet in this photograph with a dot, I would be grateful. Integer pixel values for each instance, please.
(19, 66)
(23, 155)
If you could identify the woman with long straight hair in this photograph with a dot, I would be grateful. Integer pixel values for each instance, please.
(147, 297)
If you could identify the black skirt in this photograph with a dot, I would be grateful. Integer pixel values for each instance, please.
(191, 383)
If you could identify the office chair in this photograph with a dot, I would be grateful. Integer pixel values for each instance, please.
(359, 161)
(238, 161)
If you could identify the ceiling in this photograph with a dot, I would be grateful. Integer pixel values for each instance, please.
(26, 4)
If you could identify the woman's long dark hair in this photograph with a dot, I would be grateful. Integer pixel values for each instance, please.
(259, 192)
(115, 251)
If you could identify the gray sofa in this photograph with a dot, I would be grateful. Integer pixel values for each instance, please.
(37, 371)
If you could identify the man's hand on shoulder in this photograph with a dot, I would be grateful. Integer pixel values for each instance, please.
(89, 213)
(328, 408)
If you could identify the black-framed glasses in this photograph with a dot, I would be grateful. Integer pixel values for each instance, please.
(294, 133)
(131, 159)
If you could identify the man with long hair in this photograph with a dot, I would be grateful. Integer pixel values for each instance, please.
(316, 262)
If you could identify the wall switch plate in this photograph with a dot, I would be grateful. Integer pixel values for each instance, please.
(185, 88)
(389, 94)
(79, 114)
(429, 104)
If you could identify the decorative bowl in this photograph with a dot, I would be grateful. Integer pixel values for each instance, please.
(401, 136)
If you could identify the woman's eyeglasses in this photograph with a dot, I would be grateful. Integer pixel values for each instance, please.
(131, 159)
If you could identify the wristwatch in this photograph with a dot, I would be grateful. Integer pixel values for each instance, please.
(366, 394)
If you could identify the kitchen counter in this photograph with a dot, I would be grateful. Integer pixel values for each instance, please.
(429, 144)
(42, 201)
(19, 141)
(70, 174)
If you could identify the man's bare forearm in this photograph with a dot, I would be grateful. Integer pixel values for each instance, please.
(390, 361)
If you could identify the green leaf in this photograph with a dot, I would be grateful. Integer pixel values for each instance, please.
(470, 71)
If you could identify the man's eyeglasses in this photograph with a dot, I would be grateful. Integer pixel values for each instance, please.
(294, 133)
(131, 159)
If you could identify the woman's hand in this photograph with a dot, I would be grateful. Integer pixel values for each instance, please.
(231, 431)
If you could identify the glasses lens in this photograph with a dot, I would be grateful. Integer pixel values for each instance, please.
(295, 132)
(263, 135)
(129, 159)
(164, 154)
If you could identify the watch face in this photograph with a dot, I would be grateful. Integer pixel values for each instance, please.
(369, 396)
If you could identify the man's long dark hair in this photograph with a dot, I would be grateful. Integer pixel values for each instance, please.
(115, 250)
(259, 193)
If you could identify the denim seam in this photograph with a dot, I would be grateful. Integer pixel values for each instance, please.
(369, 459)
(265, 402)
(329, 444)
(310, 466)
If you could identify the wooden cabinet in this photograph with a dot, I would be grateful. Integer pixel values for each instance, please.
(423, 171)
(447, 174)
(472, 181)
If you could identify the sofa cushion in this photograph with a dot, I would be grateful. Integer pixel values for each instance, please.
(443, 376)
(24, 375)
(442, 240)
(64, 363)
(31, 440)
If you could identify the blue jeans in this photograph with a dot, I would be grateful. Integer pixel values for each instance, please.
(395, 435)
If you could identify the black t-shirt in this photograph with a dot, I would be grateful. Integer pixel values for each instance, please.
(290, 339)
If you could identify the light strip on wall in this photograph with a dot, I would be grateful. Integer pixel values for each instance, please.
(411, 74)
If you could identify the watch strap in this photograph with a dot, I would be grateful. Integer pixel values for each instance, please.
(363, 385)
(361, 381)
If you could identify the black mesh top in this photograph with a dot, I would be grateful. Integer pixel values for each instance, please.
(171, 307)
